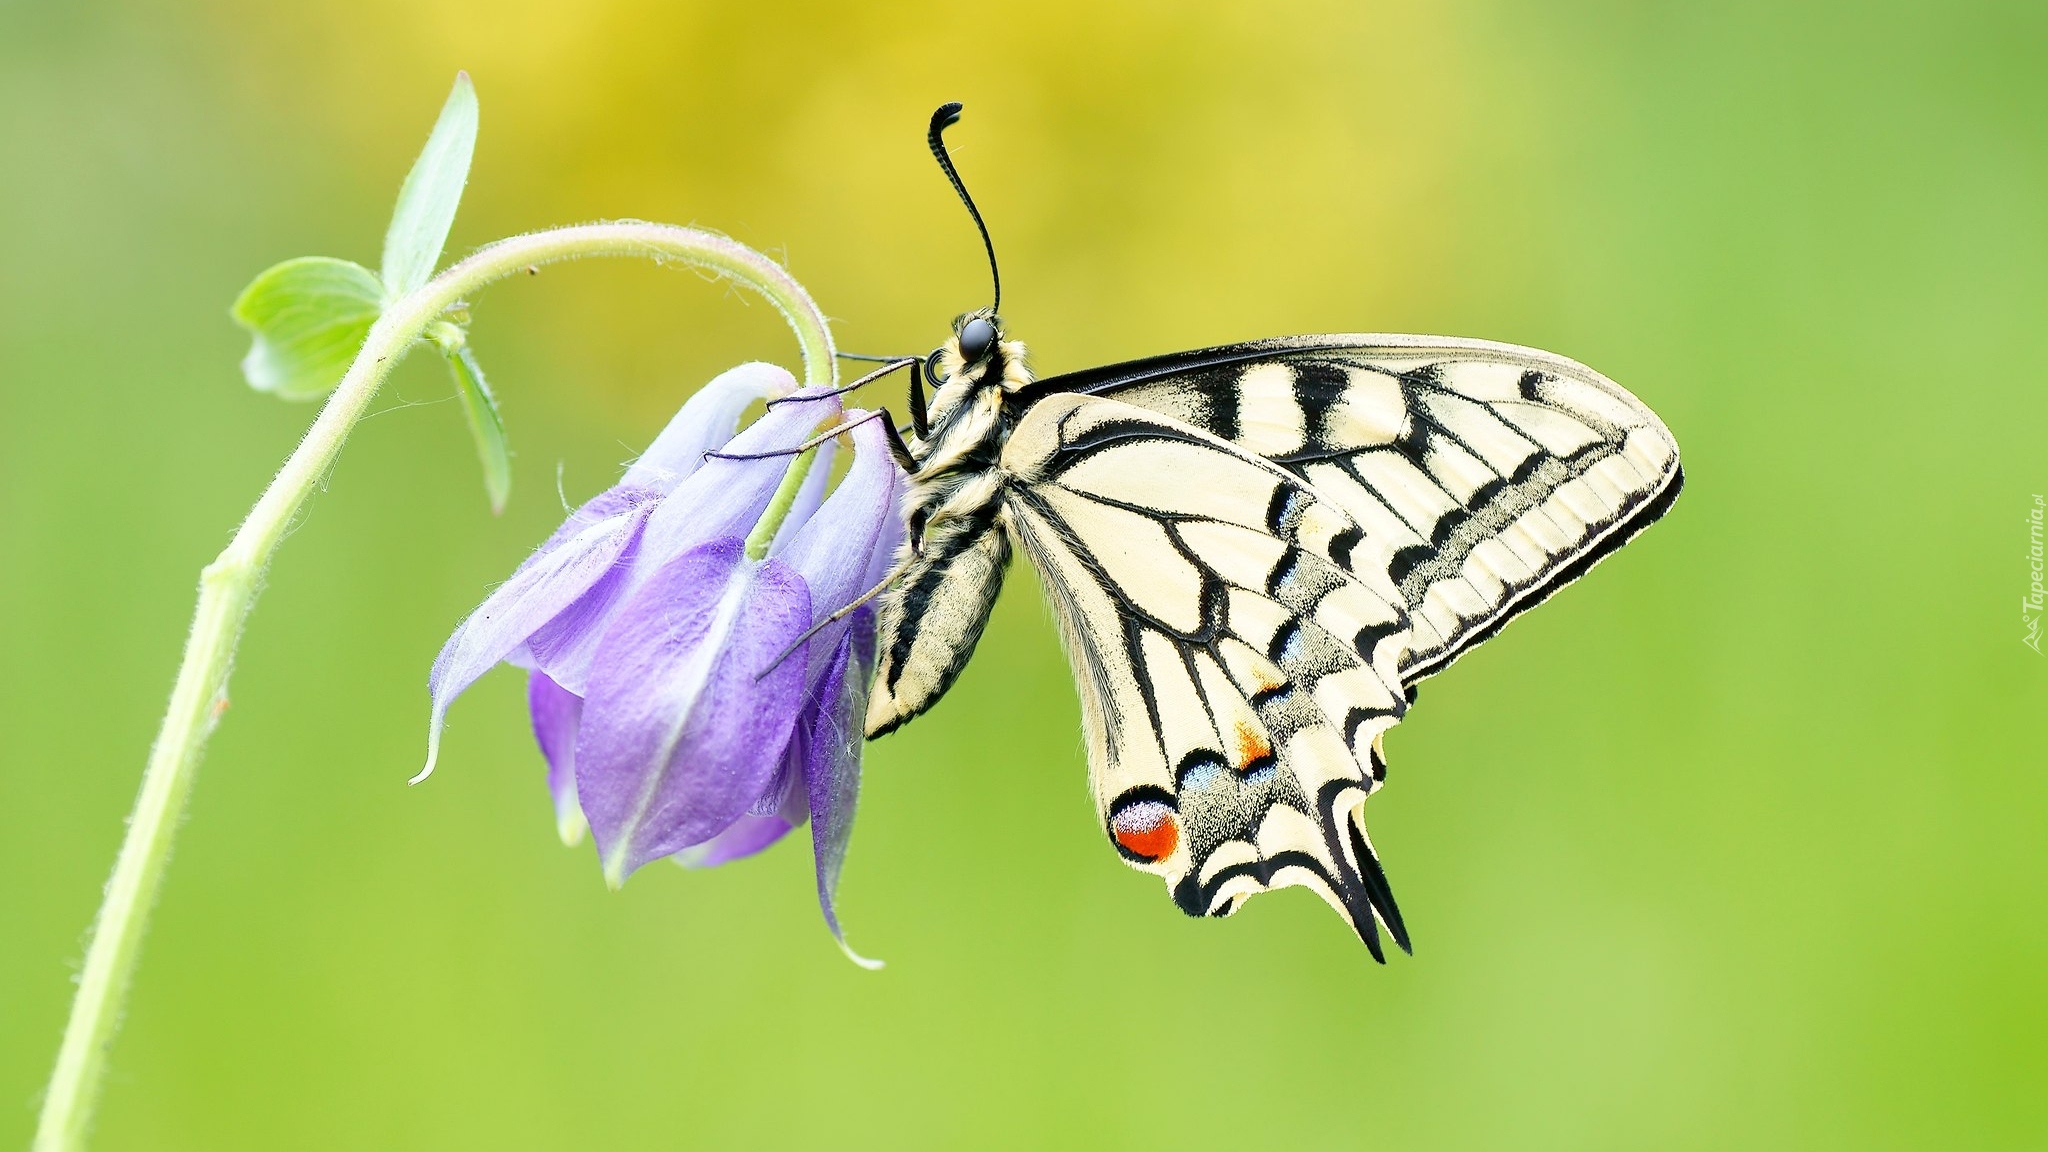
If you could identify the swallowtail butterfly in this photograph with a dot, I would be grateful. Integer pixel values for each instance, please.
(1254, 552)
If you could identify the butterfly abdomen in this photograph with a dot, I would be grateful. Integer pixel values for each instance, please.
(931, 622)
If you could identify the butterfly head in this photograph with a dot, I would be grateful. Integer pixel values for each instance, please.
(976, 357)
(975, 336)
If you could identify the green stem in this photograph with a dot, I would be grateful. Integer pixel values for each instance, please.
(228, 586)
(779, 505)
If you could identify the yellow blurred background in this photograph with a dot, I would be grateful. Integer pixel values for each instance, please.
(1736, 843)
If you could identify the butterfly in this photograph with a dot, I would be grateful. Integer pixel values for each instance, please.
(1254, 552)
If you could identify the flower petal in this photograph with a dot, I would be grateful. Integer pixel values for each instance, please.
(748, 835)
(843, 549)
(784, 806)
(705, 421)
(549, 584)
(557, 713)
(722, 499)
(832, 766)
(685, 721)
(725, 497)
(603, 506)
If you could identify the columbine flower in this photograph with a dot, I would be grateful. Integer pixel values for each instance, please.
(668, 724)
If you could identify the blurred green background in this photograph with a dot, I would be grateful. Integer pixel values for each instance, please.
(1736, 843)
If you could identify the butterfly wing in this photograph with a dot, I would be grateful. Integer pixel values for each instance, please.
(1236, 666)
(1256, 551)
(1484, 476)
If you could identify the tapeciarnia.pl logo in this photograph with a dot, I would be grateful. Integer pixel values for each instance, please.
(2030, 608)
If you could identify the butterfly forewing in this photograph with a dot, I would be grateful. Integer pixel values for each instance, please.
(1483, 476)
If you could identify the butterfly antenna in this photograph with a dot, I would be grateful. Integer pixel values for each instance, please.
(948, 115)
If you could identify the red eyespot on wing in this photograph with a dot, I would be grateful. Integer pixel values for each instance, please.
(1146, 830)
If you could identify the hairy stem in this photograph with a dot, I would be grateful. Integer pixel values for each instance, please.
(228, 586)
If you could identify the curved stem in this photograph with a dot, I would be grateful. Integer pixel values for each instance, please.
(228, 586)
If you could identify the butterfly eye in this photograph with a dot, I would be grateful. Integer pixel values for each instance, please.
(976, 339)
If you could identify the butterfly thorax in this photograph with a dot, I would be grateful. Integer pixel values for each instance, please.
(957, 484)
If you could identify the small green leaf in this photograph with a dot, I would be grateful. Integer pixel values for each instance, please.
(485, 424)
(426, 204)
(308, 317)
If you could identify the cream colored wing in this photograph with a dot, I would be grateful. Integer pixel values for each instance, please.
(1236, 666)
(1482, 476)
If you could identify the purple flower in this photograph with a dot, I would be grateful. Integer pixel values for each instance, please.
(669, 726)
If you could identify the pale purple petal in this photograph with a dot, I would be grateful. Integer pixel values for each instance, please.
(557, 712)
(843, 549)
(724, 498)
(785, 805)
(564, 645)
(834, 548)
(707, 420)
(891, 545)
(682, 729)
(788, 778)
(542, 589)
(746, 836)
(832, 767)
(601, 507)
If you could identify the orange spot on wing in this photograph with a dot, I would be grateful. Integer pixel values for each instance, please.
(1251, 747)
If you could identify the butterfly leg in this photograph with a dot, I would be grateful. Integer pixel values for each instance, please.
(897, 448)
(821, 625)
(895, 363)
(813, 442)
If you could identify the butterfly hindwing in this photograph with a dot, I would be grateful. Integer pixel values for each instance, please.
(1236, 672)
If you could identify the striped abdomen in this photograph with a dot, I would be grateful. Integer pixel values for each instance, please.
(946, 579)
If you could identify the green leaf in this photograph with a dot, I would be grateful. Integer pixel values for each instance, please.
(485, 424)
(308, 317)
(426, 204)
